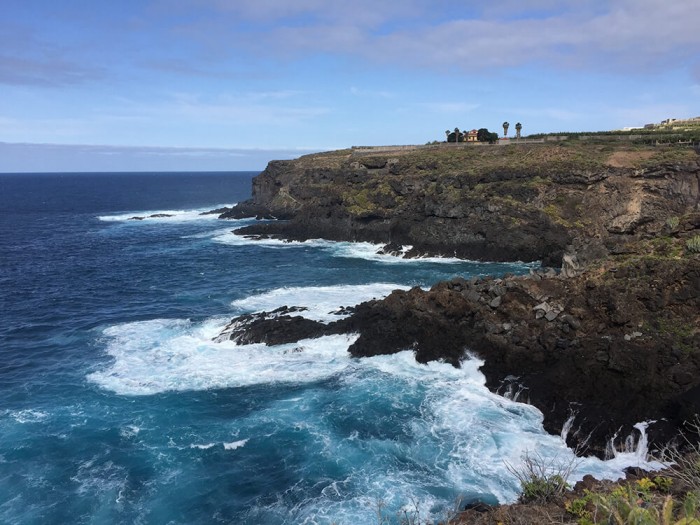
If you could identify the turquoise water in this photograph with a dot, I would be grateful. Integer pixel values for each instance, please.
(116, 405)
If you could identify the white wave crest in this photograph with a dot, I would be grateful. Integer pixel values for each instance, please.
(165, 215)
(322, 302)
(206, 446)
(173, 355)
(235, 444)
(227, 446)
(479, 431)
(462, 434)
(352, 250)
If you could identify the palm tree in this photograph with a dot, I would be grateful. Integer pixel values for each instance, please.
(518, 127)
(505, 128)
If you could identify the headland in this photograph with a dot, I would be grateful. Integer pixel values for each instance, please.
(604, 336)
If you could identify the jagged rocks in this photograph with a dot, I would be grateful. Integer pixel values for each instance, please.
(549, 311)
(272, 328)
(576, 352)
(571, 337)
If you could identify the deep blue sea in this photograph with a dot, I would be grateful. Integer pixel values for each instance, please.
(117, 406)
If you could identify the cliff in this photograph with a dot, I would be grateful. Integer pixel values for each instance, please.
(613, 338)
(518, 202)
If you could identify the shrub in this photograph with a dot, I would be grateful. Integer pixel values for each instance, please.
(541, 479)
(693, 244)
(684, 460)
(623, 506)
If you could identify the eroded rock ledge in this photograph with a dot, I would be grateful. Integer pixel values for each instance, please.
(615, 348)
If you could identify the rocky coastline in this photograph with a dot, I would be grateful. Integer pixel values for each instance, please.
(607, 337)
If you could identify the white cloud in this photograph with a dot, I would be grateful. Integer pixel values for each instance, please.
(220, 35)
(628, 35)
(26, 59)
(175, 119)
(358, 12)
(60, 129)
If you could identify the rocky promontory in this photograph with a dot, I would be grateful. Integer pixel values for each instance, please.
(611, 336)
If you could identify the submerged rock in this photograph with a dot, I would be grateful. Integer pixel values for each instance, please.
(154, 216)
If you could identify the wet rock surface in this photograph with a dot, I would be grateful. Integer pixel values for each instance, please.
(609, 362)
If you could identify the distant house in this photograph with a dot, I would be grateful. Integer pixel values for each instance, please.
(471, 136)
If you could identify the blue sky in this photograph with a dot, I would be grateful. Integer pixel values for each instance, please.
(231, 84)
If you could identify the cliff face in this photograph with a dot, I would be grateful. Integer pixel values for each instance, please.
(529, 202)
(613, 338)
(611, 348)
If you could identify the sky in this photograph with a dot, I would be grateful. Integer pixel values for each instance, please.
(183, 85)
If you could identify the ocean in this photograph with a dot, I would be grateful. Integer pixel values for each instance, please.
(117, 405)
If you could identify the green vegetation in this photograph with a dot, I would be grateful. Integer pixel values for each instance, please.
(636, 136)
(685, 461)
(456, 135)
(693, 244)
(377, 198)
(566, 210)
(484, 135)
(668, 156)
(542, 480)
(640, 503)
(670, 499)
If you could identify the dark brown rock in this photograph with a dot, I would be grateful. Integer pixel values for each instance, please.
(616, 334)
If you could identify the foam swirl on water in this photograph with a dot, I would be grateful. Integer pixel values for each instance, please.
(175, 355)
(392, 429)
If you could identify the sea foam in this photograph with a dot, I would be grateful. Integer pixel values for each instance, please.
(322, 302)
(352, 250)
(165, 216)
(464, 431)
(174, 355)
(235, 444)
(396, 431)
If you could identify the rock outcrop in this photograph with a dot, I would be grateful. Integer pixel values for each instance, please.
(611, 339)
(502, 203)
